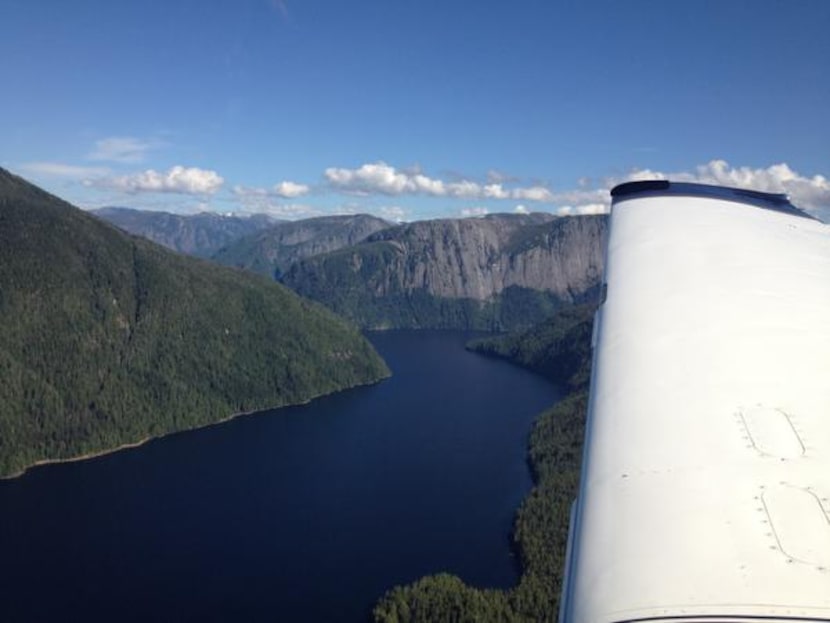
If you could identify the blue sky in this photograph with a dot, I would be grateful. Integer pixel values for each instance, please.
(411, 109)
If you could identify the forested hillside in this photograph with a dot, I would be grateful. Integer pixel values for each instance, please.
(106, 339)
(558, 348)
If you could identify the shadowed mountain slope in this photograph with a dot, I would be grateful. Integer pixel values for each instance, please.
(273, 250)
(498, 272)
(193, 234)
(107, 339)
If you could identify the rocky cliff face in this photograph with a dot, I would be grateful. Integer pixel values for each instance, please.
(201, 235)
(501, 271)
(479, 258)
(273, 250)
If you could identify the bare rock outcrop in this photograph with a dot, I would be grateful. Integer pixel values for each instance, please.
(484, 272)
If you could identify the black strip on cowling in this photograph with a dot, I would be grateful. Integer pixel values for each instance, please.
(667, 188)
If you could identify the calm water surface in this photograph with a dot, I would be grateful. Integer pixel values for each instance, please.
(303, 514)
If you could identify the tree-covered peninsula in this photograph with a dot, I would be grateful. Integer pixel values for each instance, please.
(559, 348)
(108, 339)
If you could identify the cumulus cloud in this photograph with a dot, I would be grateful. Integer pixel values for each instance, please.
(178, 179)
(125, 149)
(290, 210)
(283, 190)
(520, 209)
(582, 201)
(579, 210)
(247, 191)
(473, 212)
(534, 193)
(393, 213)
(587, 196)
(289, 190)
(269, 201)
(809, 193)
(495, 191)
(381, 178)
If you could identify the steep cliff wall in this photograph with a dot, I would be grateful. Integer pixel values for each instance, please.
(499, 272)
(271, 251)
(192, 234)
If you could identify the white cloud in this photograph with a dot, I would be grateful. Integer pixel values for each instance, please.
(477, 211)
(268, 201)
(393, 213)
(808, 193)
(290, 210)
(246, 191)
(423, 184)
(57, 169)
(582, 196)
(579, 210)
(464, 189)
(370, 179)
(178, 179)
(520, 209)
(587, 196)
(125, 149)
(285, 190)
(495, 191)
(381, 178)
(289, 190)
(534, 193)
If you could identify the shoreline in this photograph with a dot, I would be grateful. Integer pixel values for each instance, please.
(80, 457)
(135, 444)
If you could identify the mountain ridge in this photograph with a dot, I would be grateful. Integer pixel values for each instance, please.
(107, 338)
(200, 235)
(274, 249)
(493, 273)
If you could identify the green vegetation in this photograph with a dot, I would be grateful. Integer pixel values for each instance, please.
(347, 281)
(513, 307)
(500, 273)
(540, 533)
(272, 251)
(558, 348)
(107, 339)
(541, 528)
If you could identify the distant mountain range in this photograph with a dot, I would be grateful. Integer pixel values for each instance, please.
(258, 243)
(201, 235)
(108, 339)
(498, 272)
(273, 250)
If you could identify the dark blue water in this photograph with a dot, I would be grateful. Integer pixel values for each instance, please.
(303, 514)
